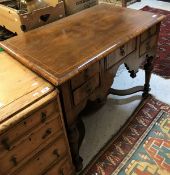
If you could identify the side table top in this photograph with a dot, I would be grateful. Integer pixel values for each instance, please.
(62, 49)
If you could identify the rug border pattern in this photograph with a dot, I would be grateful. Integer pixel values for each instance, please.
(121, 165)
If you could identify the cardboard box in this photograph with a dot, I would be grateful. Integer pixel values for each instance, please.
(74, 6)
(18, 21)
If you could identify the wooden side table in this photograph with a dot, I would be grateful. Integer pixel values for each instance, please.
(81, 54)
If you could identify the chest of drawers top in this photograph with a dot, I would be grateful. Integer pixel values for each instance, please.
(19, 87)
(62, 49)
(33, 139)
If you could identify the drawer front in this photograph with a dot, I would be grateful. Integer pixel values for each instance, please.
(148, 45)
(150, 32)
(30, 143)
(78, 80)
(86, 89)
(131, 46)
(54, 152)
(120, 53)
(22, 128)
(65, 167)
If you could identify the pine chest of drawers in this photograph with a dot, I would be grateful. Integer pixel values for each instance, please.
(33, 140)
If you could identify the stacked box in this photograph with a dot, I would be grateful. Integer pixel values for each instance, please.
(74, 6)
(19, 21)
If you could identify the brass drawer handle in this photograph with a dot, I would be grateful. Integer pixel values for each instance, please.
(5, 143)
(56, 152)
(43, 117)
(47, 133)
(14, 160)
(122, 51)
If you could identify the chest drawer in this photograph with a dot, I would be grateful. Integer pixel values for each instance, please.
(78, 80)
(120, 53)
(41, 161)
(148, 45)
(86, 89)
(150, 32)
(63, 168)
(28, 144)
(30, 122)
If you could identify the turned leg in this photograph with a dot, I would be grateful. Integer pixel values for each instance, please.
(148, 67)
(76, 134)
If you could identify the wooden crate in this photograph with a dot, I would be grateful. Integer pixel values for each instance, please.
(18, 21)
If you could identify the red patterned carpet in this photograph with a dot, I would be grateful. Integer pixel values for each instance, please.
(162, 64)
(141, 147)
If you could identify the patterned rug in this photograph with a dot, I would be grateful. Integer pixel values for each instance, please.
(141, 147)
(162, 63)
(165, 0)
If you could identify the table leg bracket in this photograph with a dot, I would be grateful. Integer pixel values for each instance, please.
(126, 91)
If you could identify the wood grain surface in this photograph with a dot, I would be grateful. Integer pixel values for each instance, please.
(19, 87)
(62, 49)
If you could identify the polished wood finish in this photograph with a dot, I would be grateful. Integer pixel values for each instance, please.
(67, 50)
(79, 79)
(74, 45)
(148, 33)
(120, 53)
(148, 44)
(32, 130)
(86, 89)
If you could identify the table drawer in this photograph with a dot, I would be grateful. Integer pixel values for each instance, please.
(131, 46)
(28, 144)
(150, 32)
(37, 165)
(120, 53)
(78, 80)
(65, 167)
(148, 45)
(23, 127)
(86, 89)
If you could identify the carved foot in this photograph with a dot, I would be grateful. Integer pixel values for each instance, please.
(132, 72)
(76, 135)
